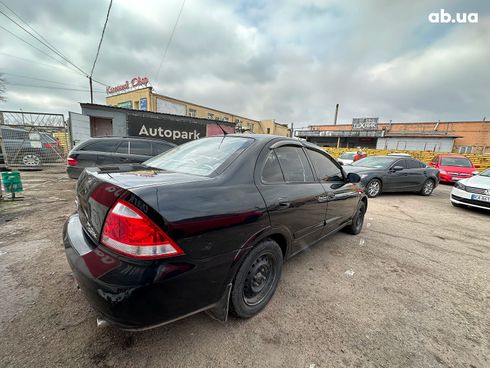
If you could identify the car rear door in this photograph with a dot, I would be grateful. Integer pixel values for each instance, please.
(416, 174)
(342, 197)
(96, 152)
(122, 156)
(140, 150)
(295, 200)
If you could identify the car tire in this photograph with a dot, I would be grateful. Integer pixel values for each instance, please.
(357, 220)
(256, 279)
(427, 187)
(31, 160)
(373, 188)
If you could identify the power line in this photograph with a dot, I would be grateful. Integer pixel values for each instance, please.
(38, 49)
(38, 79)
(101, 38)
(41, 63)
(170, 40)
(52, 87)
(28, 25)
(42, 42)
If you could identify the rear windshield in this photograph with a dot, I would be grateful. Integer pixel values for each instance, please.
(455, 161)
(201, 157)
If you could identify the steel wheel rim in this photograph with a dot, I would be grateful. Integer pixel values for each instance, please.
(428, 187)
(360, 217)
(373, 188)
(260, 280)
(31, 160)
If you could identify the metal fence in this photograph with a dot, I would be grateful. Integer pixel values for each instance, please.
(31, 140)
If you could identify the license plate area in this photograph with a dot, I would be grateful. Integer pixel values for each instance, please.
(479, 197)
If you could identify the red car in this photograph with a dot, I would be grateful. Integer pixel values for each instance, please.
(453, 168)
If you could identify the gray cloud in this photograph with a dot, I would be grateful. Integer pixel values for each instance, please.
(292, 61)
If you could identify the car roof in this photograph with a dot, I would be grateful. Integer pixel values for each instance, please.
(127, 138)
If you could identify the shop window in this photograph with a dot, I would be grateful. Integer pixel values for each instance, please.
(136, 105)
(268, 130)
(210, 116)
(192, 113)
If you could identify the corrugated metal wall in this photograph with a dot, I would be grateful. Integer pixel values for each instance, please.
(416, 144)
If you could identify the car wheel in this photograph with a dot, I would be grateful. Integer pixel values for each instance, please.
(373, 188)
(427, 188)
(257, 279)
(31, 160)
(357, 221)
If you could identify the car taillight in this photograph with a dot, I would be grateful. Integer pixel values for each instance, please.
(71, 161)
(129, 231)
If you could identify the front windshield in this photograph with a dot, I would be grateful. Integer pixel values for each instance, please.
(485, 173)
(375, 162)
(200, 157)
(456, 161)
(348, 155)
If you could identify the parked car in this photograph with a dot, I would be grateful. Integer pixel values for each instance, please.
(473, 191)
(453, 168)
(29, 149)
(394, 174)
(346, 158)
(112, 151)
(204, 226)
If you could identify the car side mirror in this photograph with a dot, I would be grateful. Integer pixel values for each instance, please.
(397, 168)
(353, 178)
(475, 173)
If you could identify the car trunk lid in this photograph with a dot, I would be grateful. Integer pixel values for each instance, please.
(99, 188)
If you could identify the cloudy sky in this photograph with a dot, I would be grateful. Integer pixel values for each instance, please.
(291, 60)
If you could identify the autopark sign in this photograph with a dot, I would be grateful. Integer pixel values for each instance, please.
(177, 132)
(128, 85)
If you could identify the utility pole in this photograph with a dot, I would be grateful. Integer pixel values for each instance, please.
(336, 114)
(91, 90)
(292, 130)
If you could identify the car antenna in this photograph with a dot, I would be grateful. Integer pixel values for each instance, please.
(224, 131)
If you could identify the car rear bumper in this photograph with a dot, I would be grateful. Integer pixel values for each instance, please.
(462, 197)
(142, 294)
(74, 171)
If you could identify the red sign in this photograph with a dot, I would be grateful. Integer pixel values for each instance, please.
(135, 82)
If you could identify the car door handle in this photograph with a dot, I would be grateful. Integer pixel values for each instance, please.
(325, 197)
(284, 202)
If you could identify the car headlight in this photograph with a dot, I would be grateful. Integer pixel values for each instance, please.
(460, 185)
(443, 171)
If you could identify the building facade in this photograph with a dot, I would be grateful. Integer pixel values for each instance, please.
(460, 136)
(101, 120)
(145, 99)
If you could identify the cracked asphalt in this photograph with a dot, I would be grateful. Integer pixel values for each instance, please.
(412, 290)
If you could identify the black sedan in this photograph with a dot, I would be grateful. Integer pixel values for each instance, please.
(112, 150)
(205, 226)
(395, 174)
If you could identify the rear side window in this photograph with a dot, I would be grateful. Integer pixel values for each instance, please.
(140, 148)
(123, 147)
(294, 164)
(272, 171)
(414, 164)
(103, 145)
(402, 163)
(325, 169)
(159, 148)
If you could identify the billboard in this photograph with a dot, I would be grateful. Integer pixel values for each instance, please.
(166, 129)
(365, 123)
(167, 107)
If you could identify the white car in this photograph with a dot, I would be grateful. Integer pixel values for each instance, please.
(472, 192)
(346, 158)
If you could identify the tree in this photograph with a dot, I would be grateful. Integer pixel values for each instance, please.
(2, 88)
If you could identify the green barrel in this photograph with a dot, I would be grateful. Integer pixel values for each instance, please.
(11, 182)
